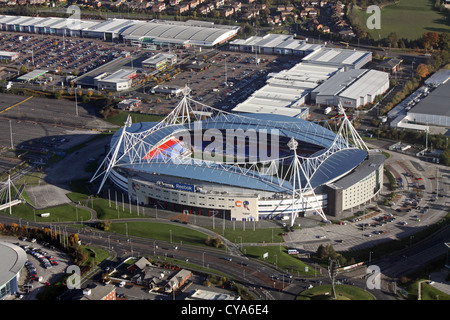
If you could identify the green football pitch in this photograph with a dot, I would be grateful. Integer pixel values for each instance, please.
(408, 18)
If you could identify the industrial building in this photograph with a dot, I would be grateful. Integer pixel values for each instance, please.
(135, 32)
(425, 107)
(287, 91)
(274, 44)
(160, 60)
(434, 109)
(33, 75)
(341, 58)
(177, 33)
(119, 80)
(8, 55)
(353, 89)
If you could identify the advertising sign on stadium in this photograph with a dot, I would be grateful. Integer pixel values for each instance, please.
(184, 187)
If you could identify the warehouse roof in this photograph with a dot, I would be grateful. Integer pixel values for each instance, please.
(338, 57)
(32, 75)
(436, 103)
(338, 82)
(174, 31)
(369, 83)
(278, 41)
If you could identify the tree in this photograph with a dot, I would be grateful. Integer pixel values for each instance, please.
(430, 39)
(23, 69)
(393, 39)
(422, 70)
(445, 157)
(73, 240)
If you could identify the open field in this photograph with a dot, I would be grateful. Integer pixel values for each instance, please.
(343, 292)
(408, 18)
(277, 255)
(160, 231)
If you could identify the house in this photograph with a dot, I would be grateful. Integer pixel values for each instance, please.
(226, 12)
(150, 277)
(178, 280)
(193, 4)
(142, 263)
(159, 7)
(236, 6)
(106, 292)
(204, 9)
(219, 3)
(347, 33)
(290, 7)
(391, 65)
(181, 8)
(312, 13)
(129, 105)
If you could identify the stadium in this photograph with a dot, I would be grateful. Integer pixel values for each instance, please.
(243, 167)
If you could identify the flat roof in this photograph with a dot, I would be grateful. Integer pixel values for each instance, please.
(32, 75)
(194, 32)
(159, 57)
(279, 41)
(439, 77)
(12, 261)
(336, 56)
(250, 107)
(338, 82)
(119, 75)
(436, 103)
(368, 83)
(8, 53)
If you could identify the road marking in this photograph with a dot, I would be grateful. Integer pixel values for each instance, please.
(14, 105)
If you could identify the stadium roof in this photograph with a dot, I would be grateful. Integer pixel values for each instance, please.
(12, 261)
(309, 135)
(363, 170)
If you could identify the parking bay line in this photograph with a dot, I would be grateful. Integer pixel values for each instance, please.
(15, 105)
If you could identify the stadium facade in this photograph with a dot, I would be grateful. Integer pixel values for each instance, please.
(12, 260)
(243, 167)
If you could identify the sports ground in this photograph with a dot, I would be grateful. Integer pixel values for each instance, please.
(408, 18)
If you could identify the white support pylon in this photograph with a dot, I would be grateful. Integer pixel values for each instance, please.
(299, 192)
(347, 127)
